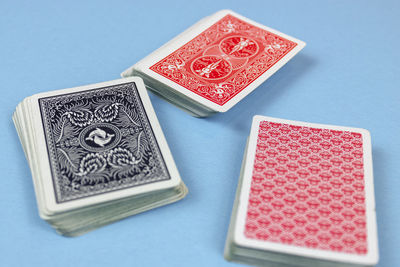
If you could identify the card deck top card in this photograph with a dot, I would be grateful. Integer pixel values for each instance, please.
(102, 142)
(220, 59)
(308, 191)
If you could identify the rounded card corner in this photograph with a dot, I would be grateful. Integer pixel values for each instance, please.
(366, 133)
(258, 119)
(225, 11)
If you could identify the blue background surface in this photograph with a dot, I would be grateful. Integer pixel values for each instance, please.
(348, 74)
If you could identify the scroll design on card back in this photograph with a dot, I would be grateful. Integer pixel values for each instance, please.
(224, 59)
(99, 141)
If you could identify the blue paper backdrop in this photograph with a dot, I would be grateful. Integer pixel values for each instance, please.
(348, 75)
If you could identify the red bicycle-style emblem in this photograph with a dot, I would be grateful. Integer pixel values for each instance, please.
(211, 67)
(238, 46)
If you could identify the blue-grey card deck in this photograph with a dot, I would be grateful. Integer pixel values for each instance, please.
(97, 154)
(99, 141)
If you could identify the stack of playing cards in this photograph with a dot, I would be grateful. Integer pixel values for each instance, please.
(215, 63)
(305, 197)
(97, 154)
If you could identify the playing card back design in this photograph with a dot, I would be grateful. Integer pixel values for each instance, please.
(224, 59)
(307, 188)
(100, 141)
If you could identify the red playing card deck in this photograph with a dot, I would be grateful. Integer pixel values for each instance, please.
(215, 63)
(305, 197)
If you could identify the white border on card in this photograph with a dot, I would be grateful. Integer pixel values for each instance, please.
(51, 206)
(145, 64)
(371, 258)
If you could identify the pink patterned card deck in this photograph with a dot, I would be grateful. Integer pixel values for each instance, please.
(308, 189)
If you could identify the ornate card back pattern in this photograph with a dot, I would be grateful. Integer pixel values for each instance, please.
(224, 59)
(307, 189)
(100, 141)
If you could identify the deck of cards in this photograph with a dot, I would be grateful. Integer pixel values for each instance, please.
(97, 154)
(305, 197)
(215, 63)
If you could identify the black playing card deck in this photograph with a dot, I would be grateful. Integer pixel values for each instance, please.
(97, 154)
